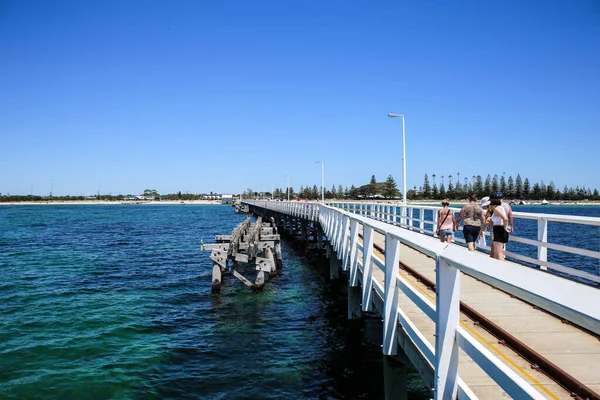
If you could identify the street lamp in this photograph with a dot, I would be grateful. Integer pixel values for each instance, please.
(288, 186)
(322, 180)
(404, 194)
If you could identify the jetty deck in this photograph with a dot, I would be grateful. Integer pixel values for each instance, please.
(472, 326)
(566, 346)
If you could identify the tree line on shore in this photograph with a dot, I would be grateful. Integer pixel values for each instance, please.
(386, 189)
(518, 188)
(456, 189)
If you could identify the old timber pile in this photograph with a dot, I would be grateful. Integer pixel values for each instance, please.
(256, 244)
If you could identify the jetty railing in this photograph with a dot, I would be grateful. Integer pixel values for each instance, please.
(413, 217)
(342, 230)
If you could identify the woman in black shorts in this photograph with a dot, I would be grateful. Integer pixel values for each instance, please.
(498, 218)
(473, 215)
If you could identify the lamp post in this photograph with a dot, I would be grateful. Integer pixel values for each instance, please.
(404, 194)
(322, 180)
(288, 186)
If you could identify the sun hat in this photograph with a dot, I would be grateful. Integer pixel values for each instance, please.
(485, 201)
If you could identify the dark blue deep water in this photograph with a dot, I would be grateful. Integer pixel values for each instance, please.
(113, 302)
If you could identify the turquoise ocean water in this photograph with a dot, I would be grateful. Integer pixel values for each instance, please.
(113, 302)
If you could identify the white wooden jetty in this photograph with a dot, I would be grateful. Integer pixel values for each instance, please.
(489, 329)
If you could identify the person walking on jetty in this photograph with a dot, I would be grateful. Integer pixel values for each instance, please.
(473, 215)
(445, 226)
(485, 203)
(496, 216)
(508, 210)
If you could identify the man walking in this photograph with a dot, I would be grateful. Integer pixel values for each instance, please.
(473, 215)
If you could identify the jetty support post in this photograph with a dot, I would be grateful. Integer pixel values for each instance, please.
(395, 378)
(216, 279)
(354, 290)
(319, 237)
(334, 264)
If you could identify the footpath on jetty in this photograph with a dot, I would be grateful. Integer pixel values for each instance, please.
(473, 327)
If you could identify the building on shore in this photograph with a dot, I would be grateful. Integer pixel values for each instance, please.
(226, 199)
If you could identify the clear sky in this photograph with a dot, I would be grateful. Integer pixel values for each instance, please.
(220, 95)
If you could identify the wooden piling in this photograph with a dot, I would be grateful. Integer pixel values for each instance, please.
(257, 243)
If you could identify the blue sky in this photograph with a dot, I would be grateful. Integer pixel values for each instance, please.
(221, 96)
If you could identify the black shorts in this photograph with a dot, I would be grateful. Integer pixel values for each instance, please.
(500, 234)
(471, 233)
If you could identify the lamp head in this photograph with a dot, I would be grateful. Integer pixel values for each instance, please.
(394, 115)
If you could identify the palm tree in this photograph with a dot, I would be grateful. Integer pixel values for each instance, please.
(433, 176)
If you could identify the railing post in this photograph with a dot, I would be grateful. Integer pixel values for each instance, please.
(390, 319)
(367, 252)
(334, 234)
(345, 245)
(353, 253)
(447, 319)
(410, 218)
(422, 218)
(542, 236)
(435, 221)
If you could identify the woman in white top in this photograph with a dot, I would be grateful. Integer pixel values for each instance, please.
(497, 217)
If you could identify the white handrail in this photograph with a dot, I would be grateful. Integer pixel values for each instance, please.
(576, 299)
(541, 243)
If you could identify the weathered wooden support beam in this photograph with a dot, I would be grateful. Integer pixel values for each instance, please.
(274, 225)
(240, 257)
(223, 238)
(269, 237)
(278, 255)
(263, 245)
(216, 279)
(265, 264)
(266, 231)
(241, 278)
(260, 279)
(215, 246)
(216, 256)
(269, 256)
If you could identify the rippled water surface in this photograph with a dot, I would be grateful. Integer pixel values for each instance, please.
(114, 302)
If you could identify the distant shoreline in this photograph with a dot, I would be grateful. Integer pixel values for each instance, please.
(213, 202)
(94, 202)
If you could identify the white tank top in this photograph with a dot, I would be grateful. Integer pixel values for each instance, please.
(497, 220)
